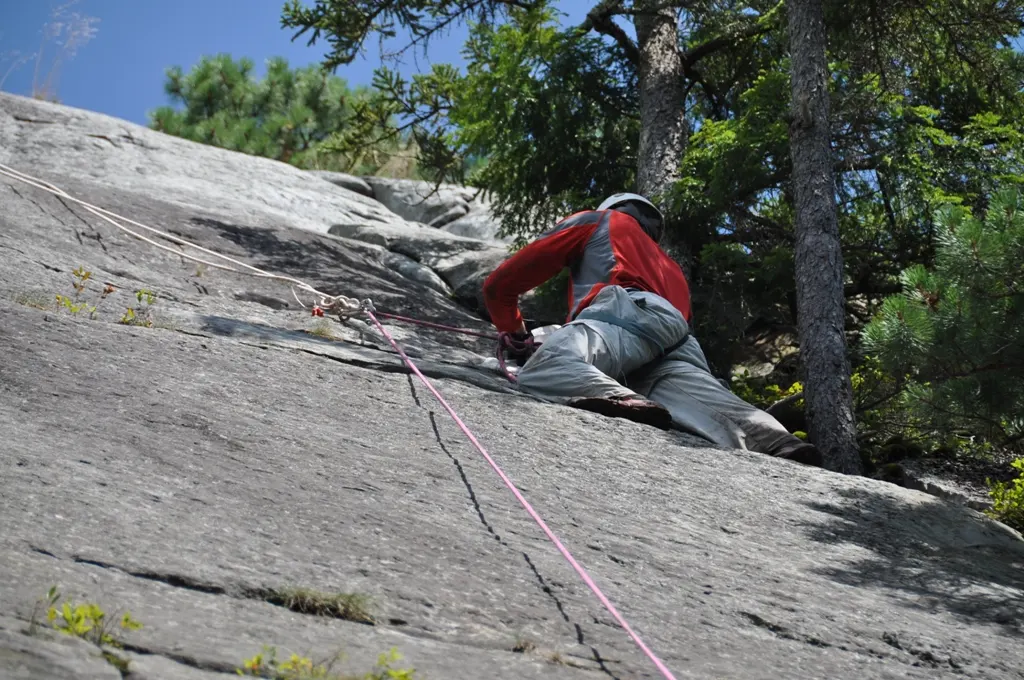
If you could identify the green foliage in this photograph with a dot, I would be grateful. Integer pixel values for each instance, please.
(142, 314)
(913, 130)
(285, 116)
(75, 303)
(298, 667)
(553, 113)
(542, 119)
(348, 23)
(764, 395)
(925, 113)
(87, 620)
(1008, 499)
(956, 333)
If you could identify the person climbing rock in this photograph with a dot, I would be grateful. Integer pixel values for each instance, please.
(627, 349)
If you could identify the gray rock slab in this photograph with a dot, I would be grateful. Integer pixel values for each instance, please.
(411, 269)
(420, 201)
(453, 213)
(350, 182)
(181, 471)
(464, 263)
(63, 143)
(48, 654)
(479, 224)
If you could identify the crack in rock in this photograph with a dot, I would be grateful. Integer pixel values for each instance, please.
(23, 119)
(184, 659)
(545, 587)
(170, 579)
(783, 632)
(269, 596)
(924, 656)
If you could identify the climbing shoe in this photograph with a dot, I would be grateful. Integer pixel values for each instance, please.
(634, 408)
(800, 452)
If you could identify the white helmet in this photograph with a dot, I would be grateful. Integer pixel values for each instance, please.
(619, 199)
(651, 220)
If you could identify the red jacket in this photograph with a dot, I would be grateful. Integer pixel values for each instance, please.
(601, 248)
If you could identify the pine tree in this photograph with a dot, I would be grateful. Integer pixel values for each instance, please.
(284, 116)
(818, 254)
(956, 333)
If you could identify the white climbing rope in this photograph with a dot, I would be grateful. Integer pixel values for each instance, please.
(341, 305)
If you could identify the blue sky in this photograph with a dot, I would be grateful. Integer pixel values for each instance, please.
(120, 71)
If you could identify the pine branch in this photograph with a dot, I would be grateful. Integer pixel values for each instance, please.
(599, 19)
(692, 56)
(712, 93)
(772, 225)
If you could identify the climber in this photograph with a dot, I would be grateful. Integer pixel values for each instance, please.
(627, 349)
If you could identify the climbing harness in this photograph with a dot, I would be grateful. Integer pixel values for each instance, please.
(345, 307)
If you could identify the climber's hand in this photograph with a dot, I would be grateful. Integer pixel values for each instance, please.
(518, 346)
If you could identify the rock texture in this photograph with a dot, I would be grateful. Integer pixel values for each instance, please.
(350, 182)
(184, 471)
(455, 209)
(463, 263)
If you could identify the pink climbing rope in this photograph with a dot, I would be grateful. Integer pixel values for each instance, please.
(499, 353)
(440, 327)
(529, 508)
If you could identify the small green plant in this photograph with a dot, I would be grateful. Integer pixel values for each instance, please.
(298, 667)
(141, 315)
(1008, 499)
(74, 307)
(75, 304)
(751, 391)
(118, 662)
(348, 606)
(87, 621)
(45, 603)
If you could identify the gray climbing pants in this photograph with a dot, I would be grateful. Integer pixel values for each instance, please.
(628, 343)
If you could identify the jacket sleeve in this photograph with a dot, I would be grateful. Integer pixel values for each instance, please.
(532, 266)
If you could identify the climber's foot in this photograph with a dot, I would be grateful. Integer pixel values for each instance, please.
(800, 452)
(633, 408)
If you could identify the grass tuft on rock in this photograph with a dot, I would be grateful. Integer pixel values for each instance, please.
(322, 329)
(348, 606)
(522, 646)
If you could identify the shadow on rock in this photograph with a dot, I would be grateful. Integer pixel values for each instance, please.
(338, 269)
(235, 328)
(944, 558)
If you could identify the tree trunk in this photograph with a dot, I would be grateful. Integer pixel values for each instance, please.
(662, 104)
(818, 255)
(663, 128)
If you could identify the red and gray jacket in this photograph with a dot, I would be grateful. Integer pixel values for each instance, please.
(600, 248)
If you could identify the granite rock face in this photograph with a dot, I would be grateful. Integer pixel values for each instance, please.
(187, 471)
(346, 181)
(458, 210)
